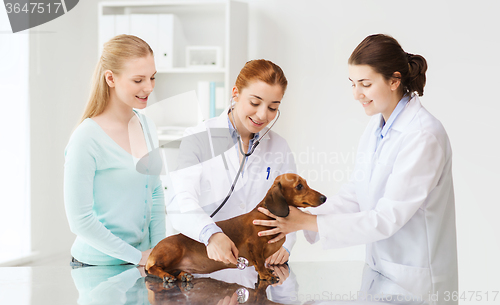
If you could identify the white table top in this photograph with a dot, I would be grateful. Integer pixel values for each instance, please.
(308, 283)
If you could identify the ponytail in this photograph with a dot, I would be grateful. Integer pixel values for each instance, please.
(415, 81)
(385, 55)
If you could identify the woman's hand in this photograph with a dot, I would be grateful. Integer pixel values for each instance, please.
(229, 300)
(279, 257)
(222, 249)
(295, 221)
(142, 271)
(145, 255)
(281, 271)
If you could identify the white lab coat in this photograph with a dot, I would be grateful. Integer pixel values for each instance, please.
(196, 190)
(400, 203)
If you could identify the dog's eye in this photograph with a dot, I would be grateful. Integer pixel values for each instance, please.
(299, 187)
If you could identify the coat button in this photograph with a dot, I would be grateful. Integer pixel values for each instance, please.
(146, 186)
(242, 206)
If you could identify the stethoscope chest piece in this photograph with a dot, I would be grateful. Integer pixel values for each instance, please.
(242, 263)
(242, 294)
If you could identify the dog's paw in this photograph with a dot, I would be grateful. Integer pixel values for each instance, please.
(187, 286)
(274, 280)
(168, 279)
(185, 277)
(168, 285)
(269, 279)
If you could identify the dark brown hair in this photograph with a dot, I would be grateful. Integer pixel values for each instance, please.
(263, 70)
(385, 55)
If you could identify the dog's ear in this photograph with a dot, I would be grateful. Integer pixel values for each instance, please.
(275, 201)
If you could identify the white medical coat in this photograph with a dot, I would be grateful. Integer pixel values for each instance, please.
(400, 203)
(196, 190)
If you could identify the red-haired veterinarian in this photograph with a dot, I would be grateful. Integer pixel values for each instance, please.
(199, 187)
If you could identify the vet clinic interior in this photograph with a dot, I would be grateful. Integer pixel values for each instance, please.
(46, 73)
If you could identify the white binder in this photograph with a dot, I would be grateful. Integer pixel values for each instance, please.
(146, 27)
(171, 42)
(163, 33)
(122, 24)
(106, 30)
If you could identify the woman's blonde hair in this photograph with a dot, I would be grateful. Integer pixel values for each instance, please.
(115, 53)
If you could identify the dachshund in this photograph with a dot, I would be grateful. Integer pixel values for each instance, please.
(205, 291)
(177, 256)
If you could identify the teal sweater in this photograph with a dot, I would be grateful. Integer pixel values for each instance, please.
(115, 211)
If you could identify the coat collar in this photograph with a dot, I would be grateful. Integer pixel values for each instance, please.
(221, 122)
(407, 115)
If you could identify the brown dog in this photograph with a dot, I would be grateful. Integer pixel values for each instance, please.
(176, 256)
(204, 291)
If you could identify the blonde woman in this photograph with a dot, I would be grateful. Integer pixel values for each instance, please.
(117, 213)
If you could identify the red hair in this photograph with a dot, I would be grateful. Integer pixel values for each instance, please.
(263, 70)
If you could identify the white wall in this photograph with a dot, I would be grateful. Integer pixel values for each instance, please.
(311, 40)
(15, 240)
(62, 58)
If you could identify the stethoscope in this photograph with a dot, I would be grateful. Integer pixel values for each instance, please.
(245, 155)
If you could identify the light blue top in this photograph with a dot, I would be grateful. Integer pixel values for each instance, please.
(384, 127)
(115, 211)
(105, 285)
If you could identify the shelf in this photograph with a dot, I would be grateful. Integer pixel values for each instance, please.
(170, 133)
(159, 3)
(169, 138)
(193, 70)
(153, 7)
(213, 23)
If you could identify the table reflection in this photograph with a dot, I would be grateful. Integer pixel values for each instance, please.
(378, 289)
(230, 286)
(128, 285)
(110, 285)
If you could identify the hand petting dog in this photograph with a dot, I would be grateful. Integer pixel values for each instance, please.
(295, 221)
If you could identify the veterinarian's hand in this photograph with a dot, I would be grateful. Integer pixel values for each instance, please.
(281, 271)
(278, 258)
(142, 271)
(222, 249)
(295, 221)
(233, 300)
(145, 256)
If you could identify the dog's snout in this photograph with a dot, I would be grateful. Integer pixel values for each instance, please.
(322, 198)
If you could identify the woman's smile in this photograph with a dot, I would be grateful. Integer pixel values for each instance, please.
(256, 106)
(255, 122)
(142, 99)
